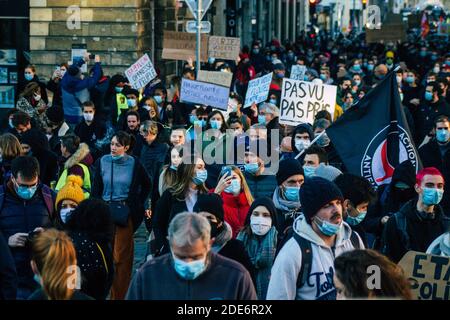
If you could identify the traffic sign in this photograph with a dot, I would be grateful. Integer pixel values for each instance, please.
(193, 4)
(191, 26)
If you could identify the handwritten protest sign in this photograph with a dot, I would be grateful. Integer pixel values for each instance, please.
(258, 90)
(300, 101)
(298, 72)
(182, 46)
(216, 77)
(224, 47)
(141, 72)
(429, 275)
(204, 93)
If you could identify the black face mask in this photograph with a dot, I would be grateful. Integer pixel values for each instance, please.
(216, 229)
(404, 195)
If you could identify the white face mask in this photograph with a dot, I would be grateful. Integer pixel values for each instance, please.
(399, 80)
(301, 144)
(88, 116)
(260, 225)
(146, 107)
(436, 70)
(65, 214)
(37, 97)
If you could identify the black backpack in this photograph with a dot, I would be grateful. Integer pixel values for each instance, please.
(305, 246)
(400, 221)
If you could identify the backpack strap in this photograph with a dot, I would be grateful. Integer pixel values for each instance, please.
(305, 269)
(400, 221)
(48, 199)
(355, 240)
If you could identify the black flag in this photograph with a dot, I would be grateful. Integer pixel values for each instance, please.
(373, 136)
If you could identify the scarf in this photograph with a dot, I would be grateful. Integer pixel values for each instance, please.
(222, 238)
(290, 208)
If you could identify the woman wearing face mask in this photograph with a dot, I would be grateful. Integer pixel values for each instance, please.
(180, 197)
(259, 236)
(168, 175)
(237, 198)
(149, 110)
(235, 110)
(53, 255)
(54, 84)
(121, 181)
(68, 198)
(91, 230)
(29, 77)
(30, 102)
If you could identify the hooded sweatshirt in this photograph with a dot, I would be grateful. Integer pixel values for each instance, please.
(286, 268)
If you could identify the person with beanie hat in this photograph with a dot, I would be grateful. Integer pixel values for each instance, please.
(327, 172)
(56, 128)
(211, 207)
(260, 238)
(290, 177)
(319, 236)
(68, 198)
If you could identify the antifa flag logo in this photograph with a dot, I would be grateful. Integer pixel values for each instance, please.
(372, 137)
(378, 164)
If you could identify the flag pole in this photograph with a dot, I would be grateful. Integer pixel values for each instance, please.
(312, 142)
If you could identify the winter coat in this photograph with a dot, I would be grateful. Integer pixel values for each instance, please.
(427, 113)
(18, 215)
(55, 140)
(223, 279)
(93, 135)
(262, 185)
(39, 119)
(319, 285)
(8, 275)
(21, 86)
(235, 210)
(421, 232)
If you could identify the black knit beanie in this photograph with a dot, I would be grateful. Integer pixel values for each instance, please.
(287, 168)
(315, 193)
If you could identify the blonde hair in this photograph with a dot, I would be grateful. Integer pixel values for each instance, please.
(149, 126)
(245, 187)
(54, 253)
(153, 105)
(10, 146)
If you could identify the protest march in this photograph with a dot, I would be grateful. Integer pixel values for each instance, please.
(307, 168)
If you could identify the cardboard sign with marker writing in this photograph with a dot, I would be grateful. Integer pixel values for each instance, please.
(388, 32)
(182, 46)
(224, 47)
(216, 77)
(141, 72)
(203, 93)
(429, 275)
(300, 101)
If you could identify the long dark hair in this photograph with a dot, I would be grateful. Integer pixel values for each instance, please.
(126, 140)
(185, 173)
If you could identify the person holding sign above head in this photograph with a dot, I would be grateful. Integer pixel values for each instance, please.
(420, 220)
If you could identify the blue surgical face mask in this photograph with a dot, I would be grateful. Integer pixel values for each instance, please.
(118, 89)
(28, 77)
(211, 60)
(189, 270)
(290, 55)
(251, 168)
(192, 118)
(200, 123)
(273, 101)
(261, 119)
(25, 193)
(200, 177)
(428, 96)
(442, 135)
(292, 193)
(310, 171)
(280, 75)
(327, 228)
(409, 79)
(158, 99)
(215, 124)
(370, 67)
(423, 53)
(117, 157)
(323, 77)
(234, 188)
(357, 67)
(353, 221)
(432, 196)
(305, 78)
(173, 167)
(131, 103)
(255, 51)
(65, 214)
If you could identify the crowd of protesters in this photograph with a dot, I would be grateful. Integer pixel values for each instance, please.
(86, 159)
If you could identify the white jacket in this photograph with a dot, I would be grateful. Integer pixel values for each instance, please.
(285, 270)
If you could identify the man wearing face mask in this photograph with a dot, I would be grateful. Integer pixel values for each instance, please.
(304, 267)
(358, 194)
(436, 153)
(132, 100)
(302, 135)
(191, 271)
(210, 206)
(290, 177)
(23, 195)
(420, 220)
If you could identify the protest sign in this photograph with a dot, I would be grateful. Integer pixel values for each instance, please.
(204, 93)
(182, 46)
(141, 72)
(258, 90)
(388, 32)
(428, 275)
(300, 101)
(216, 77)
(298, 72)
(224, 47)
